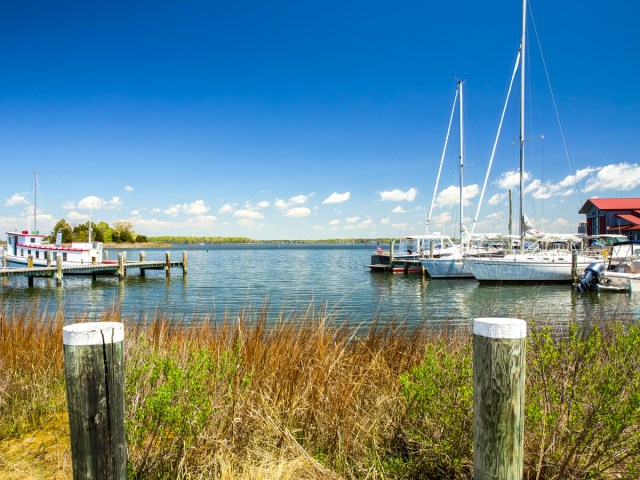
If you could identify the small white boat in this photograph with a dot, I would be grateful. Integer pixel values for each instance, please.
(620, 274)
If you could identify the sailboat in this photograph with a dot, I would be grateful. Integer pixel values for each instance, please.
(439, 262)
(534, 264)
(28, 246)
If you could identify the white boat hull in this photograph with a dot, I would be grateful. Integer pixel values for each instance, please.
(524, 268)
(446, 268)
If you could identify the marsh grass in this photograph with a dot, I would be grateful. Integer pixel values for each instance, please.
(299, 396)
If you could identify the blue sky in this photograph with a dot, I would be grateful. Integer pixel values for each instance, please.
(305, 120)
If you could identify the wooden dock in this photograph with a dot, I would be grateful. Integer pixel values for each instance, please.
(120, 268)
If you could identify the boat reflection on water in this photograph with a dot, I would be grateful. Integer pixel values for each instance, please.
(335, 280)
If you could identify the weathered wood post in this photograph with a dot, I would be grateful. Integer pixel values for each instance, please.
(143, 258)
(48, 259)
(5, 259)
(94, 371)
(106, 254)
(121, 269)
(167, 266)
(574, 266)
(59, 269)
(184, 262)
(499, 347)
(30, 261)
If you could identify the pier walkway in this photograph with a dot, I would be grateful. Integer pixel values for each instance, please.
(120, 268)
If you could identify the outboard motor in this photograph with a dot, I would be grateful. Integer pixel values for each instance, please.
(591, 277)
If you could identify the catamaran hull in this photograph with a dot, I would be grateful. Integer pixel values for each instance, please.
(497, 270)
(446, 268)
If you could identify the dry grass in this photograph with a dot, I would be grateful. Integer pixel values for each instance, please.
(296, 397)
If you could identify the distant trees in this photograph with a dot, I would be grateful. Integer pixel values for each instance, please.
(121, 232)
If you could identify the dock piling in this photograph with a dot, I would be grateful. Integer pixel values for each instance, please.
(58, 270)
(30, 261)
(48, 259)
(167, 267)
(499, 346)
(121, 269)
(184, 262)
(94, 371)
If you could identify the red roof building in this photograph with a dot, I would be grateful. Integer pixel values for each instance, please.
(613, 215)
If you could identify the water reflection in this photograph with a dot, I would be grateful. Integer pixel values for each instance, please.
(226, 279)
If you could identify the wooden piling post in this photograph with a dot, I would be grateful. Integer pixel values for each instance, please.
(574, 266)
(58, 269)
(94, 371)
(167, 267)
(30, 261)
(143, 256)
(5, 259)
(30, 281)
(121, 269)
(48, 259)
(499, 346)
(184, 262)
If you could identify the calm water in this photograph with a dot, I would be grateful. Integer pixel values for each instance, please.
(292, 277)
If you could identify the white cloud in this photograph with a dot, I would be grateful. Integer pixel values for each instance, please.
(571, 180)
(77, 217)
(398, 209)
(263, 204)
(91, 203)
(69, 205)
(135, 213)
(250, 214)
(197, 207)
(298, 212)
(510, 180)
(497, 198)
(286, 204)
(398, 195)
(227, 208)
(337, 198)
(95, 203)
(451, 195)
(384, 221)
(618, 176)
(352, 219)
(128, 188)
(334, 222)
(16, 199)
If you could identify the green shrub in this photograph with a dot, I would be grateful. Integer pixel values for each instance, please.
(437, 431)
(583, 403)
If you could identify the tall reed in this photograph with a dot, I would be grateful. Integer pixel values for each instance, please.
(301, 396)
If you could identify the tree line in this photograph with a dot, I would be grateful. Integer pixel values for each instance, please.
(120, 232)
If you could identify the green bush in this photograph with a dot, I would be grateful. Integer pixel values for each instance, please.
(437, 431)
(583, 403)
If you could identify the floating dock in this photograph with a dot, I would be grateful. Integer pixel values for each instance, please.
(120, 268)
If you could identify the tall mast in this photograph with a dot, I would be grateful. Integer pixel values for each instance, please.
(461, 159)
(522, 91)
(35, 201)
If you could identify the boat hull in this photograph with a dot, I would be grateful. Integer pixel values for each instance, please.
(446, 268)
(519, 268)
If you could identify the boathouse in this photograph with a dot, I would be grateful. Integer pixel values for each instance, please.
(613, 216)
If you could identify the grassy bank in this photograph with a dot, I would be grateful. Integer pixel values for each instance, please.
(254, 397)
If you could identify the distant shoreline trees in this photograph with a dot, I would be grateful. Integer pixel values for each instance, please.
(123, 232)
(120, 232)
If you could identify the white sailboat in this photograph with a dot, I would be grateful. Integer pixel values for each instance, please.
(441, 262)
(535, 264)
